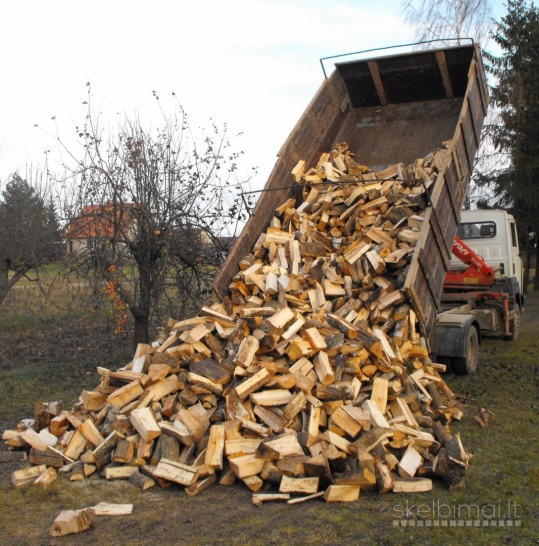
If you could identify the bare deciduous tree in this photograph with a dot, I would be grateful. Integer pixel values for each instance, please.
(151, 214)
(443, 19)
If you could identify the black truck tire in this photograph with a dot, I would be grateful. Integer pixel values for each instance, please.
(444, 360)
(467, 364)
(514, 325)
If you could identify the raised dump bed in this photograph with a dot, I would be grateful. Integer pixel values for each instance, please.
(391, 109)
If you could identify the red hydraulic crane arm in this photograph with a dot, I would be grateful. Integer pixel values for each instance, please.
(468, 256)
(477, 273)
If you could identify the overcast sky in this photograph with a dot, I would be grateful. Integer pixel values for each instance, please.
(253, 64)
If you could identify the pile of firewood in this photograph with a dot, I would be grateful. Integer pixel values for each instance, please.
(311, 378)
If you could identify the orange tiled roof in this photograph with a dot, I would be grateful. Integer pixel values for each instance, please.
(97, 222)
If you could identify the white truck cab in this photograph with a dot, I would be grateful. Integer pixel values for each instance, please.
(470, 311)
(493, 235)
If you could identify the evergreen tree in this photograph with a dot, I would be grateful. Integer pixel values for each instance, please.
(516, 96)
(29, 232)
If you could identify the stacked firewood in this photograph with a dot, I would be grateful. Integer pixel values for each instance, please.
(312, 378)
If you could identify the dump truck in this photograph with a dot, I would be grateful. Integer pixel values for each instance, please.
(482, 292)
(393, 109)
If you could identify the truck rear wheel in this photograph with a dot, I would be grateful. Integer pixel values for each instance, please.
(444, 360)
(463, 365)
(514, 325)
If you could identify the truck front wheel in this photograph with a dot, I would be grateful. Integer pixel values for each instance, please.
(463, 365)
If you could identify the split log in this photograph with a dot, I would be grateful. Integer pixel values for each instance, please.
(32, 438)
(108, 509)
(26, 476)
(69, 522)
(259, 498)
(314, 337)
(246, 351)
(318, 467)
(89, 469)
(346, 422)
(211, 370)
(412, 485)
(126, 394)
(93, 401)
(176, 472)
(247, 465)
(77, 473)
(254, 483)
(362, 478)
(76, 445)
(335, 392)
(280, 447)
(215, 449)
(91, 433)
(308, 486)
(271, 397)
(243, 390)
(48, 458)
(200, 486)
(46, 478)
(451, 471)
(384, 480)
(409, 463)
(323, 368)
(120, 472)
(348, 329)
(341, 493)
(379, 393)
(145, 424)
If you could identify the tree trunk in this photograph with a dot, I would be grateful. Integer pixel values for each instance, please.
(142, 324)
(5, 282)
(139, 311)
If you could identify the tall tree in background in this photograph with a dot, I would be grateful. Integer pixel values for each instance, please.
(440, 20)
(516, 96)
(29, 231)
(443, 19)
(151, 214)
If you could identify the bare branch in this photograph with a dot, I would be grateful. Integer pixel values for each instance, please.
(149, 211)
(443, 19)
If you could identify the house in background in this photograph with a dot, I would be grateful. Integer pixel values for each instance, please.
(96, 224)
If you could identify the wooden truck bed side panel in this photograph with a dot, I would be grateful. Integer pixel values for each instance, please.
(430, 262)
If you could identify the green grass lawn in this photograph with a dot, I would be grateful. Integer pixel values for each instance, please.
(504, 469)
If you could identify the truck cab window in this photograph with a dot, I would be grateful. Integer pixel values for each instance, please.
(514, 234)
(477, 230)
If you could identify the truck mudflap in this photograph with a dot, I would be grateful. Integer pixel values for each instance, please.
(452, 333)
